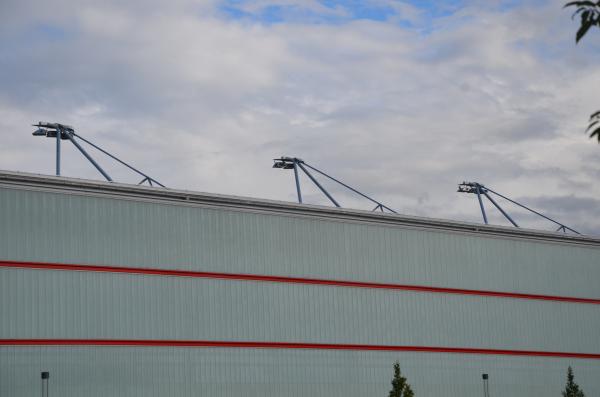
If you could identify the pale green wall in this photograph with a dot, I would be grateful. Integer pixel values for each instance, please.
(88, 229)
(159, 372)
(53, 227)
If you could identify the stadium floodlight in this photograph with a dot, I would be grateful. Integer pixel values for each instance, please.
(295, 163)
(51, 130)
(66, 132)
(40, 132)
(286, 163)
(483, 191)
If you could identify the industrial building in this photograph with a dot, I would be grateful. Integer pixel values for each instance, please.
(124, 290)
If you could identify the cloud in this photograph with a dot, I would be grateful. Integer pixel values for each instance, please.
(204, 100)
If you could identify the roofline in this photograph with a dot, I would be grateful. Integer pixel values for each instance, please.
(60, 184)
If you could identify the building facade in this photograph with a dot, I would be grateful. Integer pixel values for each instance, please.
(137, 291)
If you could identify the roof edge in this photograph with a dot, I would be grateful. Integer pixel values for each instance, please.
(26, 180)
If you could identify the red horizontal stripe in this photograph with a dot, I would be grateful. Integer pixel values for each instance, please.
(293, 280)
(288, 345)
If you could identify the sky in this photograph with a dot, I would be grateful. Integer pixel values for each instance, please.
(400, 99)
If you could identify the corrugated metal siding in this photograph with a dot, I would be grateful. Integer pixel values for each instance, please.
(157, 372)
(81, 305)
(78, 229)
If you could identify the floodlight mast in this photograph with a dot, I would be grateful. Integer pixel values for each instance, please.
(295, 163)
(479, 190)
(65, 132)
(53, 130)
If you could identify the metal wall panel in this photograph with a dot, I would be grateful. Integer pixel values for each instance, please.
(92, 228)
(158, 372)
(84, 305)
(69, 228)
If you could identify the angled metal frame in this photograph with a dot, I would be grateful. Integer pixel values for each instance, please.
(295, 163)
(65, 132)
(479, 190)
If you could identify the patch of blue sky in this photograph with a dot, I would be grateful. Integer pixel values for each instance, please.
(357, 9)
(49, 32)
(334, 11)
(272, 14)
(436, 8)
(35, 34)
(276, 13)
(510, 4)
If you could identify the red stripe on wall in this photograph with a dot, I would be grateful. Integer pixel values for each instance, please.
(289, 345)
(292, 280)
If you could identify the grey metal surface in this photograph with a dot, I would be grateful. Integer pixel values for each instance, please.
(159, 372)
(84, 305)
(90, 158)
(147, 178)
(64, 185)
(116, 230)
(112, 224)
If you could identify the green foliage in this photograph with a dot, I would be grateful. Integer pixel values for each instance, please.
(594, 127)
(399, 386)
(589, 13)
(590, 16)
(572, 388)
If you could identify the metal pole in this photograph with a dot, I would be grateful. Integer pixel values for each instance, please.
(486, 389)
(297, 181)
(78, 146)
(534, 211)
(350, 187)
(478, 191)
(117, 159)
(58, 135)
(46, 383)
(500, 209)
(312, 178)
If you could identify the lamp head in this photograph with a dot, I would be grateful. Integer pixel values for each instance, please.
(50, 130)
(286, 163)
(40, 132)
(471, 187)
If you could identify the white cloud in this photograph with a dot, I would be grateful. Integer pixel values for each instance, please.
(203, 102)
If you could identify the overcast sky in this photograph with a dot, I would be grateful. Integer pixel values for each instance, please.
(401, 99)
